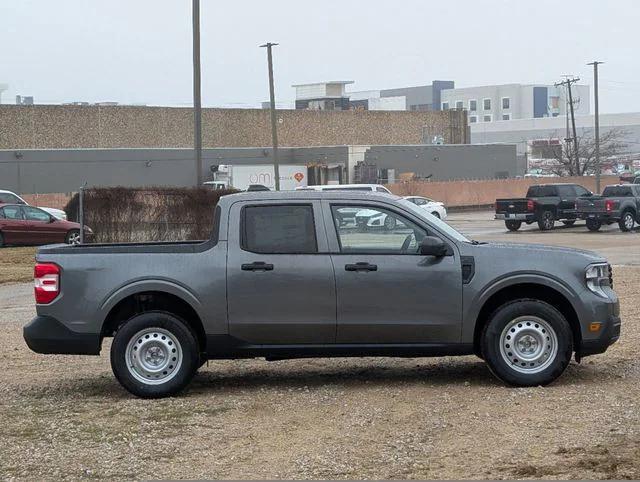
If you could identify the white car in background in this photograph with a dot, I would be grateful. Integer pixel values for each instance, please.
(434, 207)
(8, 197)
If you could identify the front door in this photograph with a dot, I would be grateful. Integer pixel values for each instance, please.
(41, 228)
(386, 291)
(280, 282)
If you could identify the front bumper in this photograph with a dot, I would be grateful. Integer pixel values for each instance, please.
(45, 334)
(608, 315)
(515, 216)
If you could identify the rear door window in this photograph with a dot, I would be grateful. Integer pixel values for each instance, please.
(541, 191)
(617, 191)
(8, 198)
(580, 191)
(279, 229)
(12, 212)
(566, 192)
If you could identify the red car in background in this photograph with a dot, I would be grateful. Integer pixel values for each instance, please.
(20, 224)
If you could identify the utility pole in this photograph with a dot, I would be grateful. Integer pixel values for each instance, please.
(568, 83)
(274, 127)
(197, 93)
(595, 64)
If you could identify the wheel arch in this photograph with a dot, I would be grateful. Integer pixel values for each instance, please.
(152, 296)
(542, 289)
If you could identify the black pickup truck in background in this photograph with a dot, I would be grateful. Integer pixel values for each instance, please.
(618, 203)
(544, 204)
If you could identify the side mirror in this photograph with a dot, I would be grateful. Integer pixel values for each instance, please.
(432, 246)
(52, 219)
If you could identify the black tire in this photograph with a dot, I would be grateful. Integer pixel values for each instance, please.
(73, 237)
(546, 220)
(167, 325)
(1, 241)
(513, 225)
(627, 221)
(436, 214)
(524, 313)
(569, 222)
(594, 224)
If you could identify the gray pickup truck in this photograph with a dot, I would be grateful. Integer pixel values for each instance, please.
(619, 203)
(282, 278)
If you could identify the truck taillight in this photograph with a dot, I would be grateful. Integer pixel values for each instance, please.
(531, 205)
(608, 205)
(46, 278)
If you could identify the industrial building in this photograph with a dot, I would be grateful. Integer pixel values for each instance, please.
(65, 170)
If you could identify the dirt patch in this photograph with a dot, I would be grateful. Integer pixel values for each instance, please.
(65, 417)
(16, 264)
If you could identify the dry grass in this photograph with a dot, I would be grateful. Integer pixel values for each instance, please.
(16, 264)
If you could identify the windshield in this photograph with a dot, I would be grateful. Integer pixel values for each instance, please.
(438, 223)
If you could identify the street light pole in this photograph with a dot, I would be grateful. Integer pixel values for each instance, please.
(274, 127)
(197, 93)
(595, 64)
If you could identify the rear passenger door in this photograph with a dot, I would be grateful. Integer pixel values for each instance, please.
(567, 203)
(280, 281)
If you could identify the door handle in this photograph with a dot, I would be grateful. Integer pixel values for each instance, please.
(362, 266)
(257, 266)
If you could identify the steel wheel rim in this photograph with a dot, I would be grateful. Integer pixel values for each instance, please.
(528, 344)
(153, 356)
(74, 238)
(628, 221)
(548, 221)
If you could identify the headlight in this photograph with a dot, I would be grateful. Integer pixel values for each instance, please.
(597, 276)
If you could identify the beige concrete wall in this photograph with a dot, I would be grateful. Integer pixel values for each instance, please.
(479, 193)
(56, 127)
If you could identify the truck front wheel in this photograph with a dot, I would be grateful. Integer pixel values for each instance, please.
(154, 355)
(527, 342)
(626, 221)
(513, 225)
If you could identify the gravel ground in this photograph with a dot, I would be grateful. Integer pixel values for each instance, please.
(66, 416)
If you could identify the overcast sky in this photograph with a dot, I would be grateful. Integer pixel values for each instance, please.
(139, 51)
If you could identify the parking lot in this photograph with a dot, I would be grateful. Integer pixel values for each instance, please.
(67, 417)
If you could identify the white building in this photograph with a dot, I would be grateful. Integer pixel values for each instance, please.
(323, 95)
(491, 103)
(3, 88)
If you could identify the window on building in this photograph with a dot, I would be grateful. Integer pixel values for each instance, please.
(473, 119)
(284, 229)
(506, 103)
(506, 116)
(473, 105)
(459, 104)
(445, 106)
(486, 104)
(487, 118)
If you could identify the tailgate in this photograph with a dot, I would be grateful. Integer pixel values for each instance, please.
(511, 206)
(595, 204)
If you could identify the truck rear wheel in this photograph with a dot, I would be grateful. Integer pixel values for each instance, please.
(513, 225)
(627, 221)
(593, 224)
(527, 342)
(546, 221)
(154, 355)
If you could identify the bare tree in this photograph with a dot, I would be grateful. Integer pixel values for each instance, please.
(611, 144)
